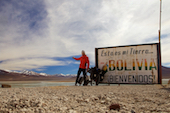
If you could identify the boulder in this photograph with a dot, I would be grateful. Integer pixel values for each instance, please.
(114, 107)
(5, 86)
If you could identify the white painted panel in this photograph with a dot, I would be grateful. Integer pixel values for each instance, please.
(130, 64)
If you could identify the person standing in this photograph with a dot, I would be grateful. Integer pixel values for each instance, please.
(84, 60)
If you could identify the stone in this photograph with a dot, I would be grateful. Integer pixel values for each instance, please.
(123, 111)
(132, 111)
(108, 99)
(94, 98)
(72, 111)
(114, 107)
(102, 102)
(87, 100)
(63, 108)
(43, 105)
(111, 93)
(6, 86)
(168, 109)
(142, 106)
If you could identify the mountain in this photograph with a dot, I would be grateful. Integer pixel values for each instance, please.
(26, 72)
(165, 72)
(7, 75)
(66, 75)
(43, 74)
(33, 73)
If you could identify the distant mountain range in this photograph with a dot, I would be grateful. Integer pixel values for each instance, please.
(165, 72)
(7, 75)
(32, 73)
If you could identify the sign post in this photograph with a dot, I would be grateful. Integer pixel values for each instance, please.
(160, 62)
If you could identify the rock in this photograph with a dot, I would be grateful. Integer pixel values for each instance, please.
(102, 102)
(64, 108)
(87, 100)
(168, 109)
(123, 111)
(132, 111)
(94, 98)
(79, 100)
(108, 99)
(111, 93)
(43, 105)
(72, 111)
(142, 106)
(6, 86)
(114, 107)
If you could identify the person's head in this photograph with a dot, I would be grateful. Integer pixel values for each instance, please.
(83, 52)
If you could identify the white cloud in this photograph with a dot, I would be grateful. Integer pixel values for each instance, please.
(32, 63)
(69, 26)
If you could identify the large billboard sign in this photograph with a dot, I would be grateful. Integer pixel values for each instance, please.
(138, 64)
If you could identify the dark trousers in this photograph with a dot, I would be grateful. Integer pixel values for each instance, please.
(78, 74)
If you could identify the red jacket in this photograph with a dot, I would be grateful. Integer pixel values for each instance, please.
(83, 60)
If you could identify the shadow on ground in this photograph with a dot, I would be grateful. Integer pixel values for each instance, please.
(165, 87)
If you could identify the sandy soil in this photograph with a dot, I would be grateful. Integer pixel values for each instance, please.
(85, 99)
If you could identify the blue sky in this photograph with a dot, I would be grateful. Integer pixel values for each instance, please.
(44, 35)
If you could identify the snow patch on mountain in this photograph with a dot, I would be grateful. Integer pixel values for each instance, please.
(7, 70)
(43, 74)
(32, 73)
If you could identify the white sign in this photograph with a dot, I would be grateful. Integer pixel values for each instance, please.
(129, 64)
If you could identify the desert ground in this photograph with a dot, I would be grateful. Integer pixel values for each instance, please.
(85, 99)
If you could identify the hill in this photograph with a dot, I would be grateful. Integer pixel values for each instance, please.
(165, 72)
(11, 76)
(33, 76)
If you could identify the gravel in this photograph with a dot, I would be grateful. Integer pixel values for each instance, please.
(85, 99)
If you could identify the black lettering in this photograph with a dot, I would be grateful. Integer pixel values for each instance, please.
(105, 53)
(140, 76)
(150, 79)
(145, 78)
(111, 54)
(125, 77)
(124, 52)
(108, 53)
(111, 79)
(147, 51)
(143, 51)
(102, 53)
(120, 78)
(135, 78)
(119, 53)
(131, 50)
(136, 52)
(116, 53)
(129, 78)
(116, 78)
